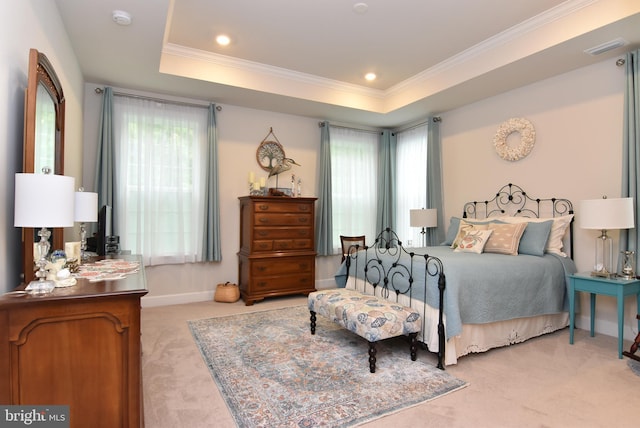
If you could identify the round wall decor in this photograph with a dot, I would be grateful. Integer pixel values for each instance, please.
(527, 139)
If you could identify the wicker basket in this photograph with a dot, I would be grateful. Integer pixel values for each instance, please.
(227, 293)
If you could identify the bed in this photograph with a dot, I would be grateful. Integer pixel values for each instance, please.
(492, 292)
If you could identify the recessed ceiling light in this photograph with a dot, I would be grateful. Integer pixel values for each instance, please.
(121, 17)
(223, 40)
(360, 8)
(370, 76)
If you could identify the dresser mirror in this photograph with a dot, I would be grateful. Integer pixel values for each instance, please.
(43, 140)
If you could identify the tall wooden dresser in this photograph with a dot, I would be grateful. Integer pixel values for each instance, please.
(277, 249)
(77, 346)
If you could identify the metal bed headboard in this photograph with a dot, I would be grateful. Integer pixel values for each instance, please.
(512, 200)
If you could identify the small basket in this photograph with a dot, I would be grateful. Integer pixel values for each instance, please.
(227, 293)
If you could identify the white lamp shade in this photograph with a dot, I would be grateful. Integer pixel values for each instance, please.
(423, 218)
(606, 214)
(44, 200)
(86, 210)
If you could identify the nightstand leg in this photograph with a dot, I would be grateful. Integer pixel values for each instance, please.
(593, 312)
(572, 310)
(620, 321)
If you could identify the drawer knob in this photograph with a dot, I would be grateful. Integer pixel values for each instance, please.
(263, 207)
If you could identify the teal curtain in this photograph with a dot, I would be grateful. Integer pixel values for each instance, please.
(386, 181)
(211, 243)
(324, 211)
(105, 183)
(435, 235)
(631, 148)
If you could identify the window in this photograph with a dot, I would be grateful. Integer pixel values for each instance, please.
(160, 171)
(411, 181)
(354, 165)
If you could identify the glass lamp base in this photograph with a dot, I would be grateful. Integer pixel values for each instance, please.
(40, 286)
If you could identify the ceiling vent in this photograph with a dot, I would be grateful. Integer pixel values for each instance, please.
(615, 43)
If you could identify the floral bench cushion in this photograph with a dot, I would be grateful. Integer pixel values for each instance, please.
(367, 316)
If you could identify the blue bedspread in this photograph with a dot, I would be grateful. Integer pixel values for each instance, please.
(487, 287)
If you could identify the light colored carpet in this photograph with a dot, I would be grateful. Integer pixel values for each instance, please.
(275, 373)
(544, 382)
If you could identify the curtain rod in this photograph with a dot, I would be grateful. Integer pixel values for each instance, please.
(144, 97)
(435, 119)
(424, 122)
(321, 125)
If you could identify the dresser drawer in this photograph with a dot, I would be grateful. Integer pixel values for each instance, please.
(282, 219)
(265, 233)
(283, 245)
(282, 282)
(283, 206)
(282, 266)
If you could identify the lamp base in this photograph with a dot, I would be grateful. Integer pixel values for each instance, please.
(40, 286)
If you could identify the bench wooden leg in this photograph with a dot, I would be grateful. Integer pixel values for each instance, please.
(413, 346)
(372, 357)
(313, 322)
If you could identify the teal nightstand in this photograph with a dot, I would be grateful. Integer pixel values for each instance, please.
(618, 288)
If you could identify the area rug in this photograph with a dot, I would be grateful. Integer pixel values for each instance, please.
(273, 373)
(634, 366)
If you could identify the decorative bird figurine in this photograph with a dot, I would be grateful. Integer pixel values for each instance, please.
(282, 166)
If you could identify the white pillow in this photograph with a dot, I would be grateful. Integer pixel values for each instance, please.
(464, 228)
(558, 229)
(473, 241)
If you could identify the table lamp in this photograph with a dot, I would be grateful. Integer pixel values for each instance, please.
(86, 211)
(605, 214)
(43, 200)
(423, 218)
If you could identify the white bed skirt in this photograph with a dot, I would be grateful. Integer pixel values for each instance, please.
(477, 337)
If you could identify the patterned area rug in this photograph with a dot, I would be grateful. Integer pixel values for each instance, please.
(634, 366)
(273, 373)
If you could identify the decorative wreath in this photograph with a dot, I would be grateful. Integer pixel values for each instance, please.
(527, 139)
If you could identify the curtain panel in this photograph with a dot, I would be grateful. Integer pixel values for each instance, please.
(631, 148)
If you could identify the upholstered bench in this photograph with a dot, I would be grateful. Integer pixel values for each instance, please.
(369, 317)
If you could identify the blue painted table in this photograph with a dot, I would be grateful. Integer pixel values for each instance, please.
(616, 287)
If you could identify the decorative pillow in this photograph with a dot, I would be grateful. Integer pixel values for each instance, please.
(454, 227)
(505, 238)
(464, 228)
(558, 229)
(473, 241)
(535, 237)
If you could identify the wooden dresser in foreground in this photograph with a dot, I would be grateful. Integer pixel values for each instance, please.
(78, 346)
(277, 248)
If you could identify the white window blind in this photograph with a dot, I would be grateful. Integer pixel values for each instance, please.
(354, 171)
(160, 154)
(411, 181)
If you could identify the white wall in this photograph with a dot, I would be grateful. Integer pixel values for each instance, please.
(241, 131)
(577, 155)
(31, 24)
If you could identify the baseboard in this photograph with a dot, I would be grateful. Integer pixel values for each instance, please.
(150, 301)
(608, 328)
(176, 299)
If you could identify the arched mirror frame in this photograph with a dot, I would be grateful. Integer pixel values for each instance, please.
(41, 72)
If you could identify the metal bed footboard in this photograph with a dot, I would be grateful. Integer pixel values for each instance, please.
(384, 271)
